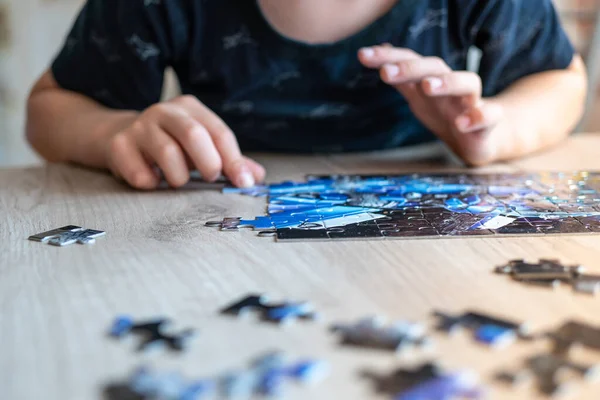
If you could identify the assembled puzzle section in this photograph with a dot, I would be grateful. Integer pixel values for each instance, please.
(425, 206)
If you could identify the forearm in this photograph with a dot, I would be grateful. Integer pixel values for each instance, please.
(540, 111)
(66, 127)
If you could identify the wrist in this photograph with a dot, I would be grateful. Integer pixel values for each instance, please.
(92, 149)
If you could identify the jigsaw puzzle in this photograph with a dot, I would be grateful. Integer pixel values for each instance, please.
(68, 235)
(152, 332)
(428, 381)
(425, 206)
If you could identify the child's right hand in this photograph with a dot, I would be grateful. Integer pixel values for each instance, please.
(177, 136)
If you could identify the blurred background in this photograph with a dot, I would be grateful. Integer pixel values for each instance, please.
(31, 31)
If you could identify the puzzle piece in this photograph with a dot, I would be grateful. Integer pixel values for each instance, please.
(543, 270)
(278, 312)
(373, 332)
(548, 370)
(486, 329)
(145, 384)
(428, 381)
(68, 235)
(552, 273)
(574, 333)
(267, 377)
(152, 332)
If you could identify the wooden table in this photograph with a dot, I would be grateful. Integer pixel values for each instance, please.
(56, 304)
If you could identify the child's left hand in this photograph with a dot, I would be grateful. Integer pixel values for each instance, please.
(447, 102)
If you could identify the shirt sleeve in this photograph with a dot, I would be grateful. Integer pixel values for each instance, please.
(117, 51)
(517, 38)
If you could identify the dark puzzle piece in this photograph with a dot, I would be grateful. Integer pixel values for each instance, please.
(551, 273)
(374, 332)
(544, 269)
(486, 329)
(575, 334)
(67, 235)
(278, 312)
(548, 370)
(152, 333)
(428, 381)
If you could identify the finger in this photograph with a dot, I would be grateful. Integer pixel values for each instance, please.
(160, 147)
(257, 170)
(127, 162)
(481, 117)
(378, 56)
(194, 140)
(460, 83)
(414, 70)
(234, 165)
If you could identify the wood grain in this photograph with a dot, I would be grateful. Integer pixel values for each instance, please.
(158, 259)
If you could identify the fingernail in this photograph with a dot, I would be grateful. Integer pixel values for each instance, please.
(367, 52)
(463, 122)
(245, 179)
(434, 83)
(391, 70)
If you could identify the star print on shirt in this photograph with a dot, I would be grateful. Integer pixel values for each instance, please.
(284, 76)
(432, 19)
(144, 50)
(238, 39)
(329, 110)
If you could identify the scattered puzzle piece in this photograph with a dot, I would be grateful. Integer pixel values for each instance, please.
(428, 381)
(68, 235)
(277, 312)
(575, 334)
(486, 329)
(551, 273)
(152, 332)
(548, 371)
(145, 384)
(373, 332)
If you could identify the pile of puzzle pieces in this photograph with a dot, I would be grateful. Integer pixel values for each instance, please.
(265, 377)
(425, 205)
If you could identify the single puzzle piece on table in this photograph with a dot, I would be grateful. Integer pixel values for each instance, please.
(68, 235)
(267, 376)
(548, 370)
(146, 384)
(285, 312)
(486, 329)
(374, 332)
(428, 381)
(575, 334)
(551, 273)
(152, 332)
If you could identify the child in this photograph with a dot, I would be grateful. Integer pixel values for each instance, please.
(302, 76)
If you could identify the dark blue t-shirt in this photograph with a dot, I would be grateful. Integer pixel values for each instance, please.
(283, 95)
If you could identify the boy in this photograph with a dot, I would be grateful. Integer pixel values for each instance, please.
(302, 75)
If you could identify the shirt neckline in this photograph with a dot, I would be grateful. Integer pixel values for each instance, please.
(370, 35)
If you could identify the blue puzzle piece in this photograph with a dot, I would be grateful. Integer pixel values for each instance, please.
(458, 386)
(121, 326)
(495, 335)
